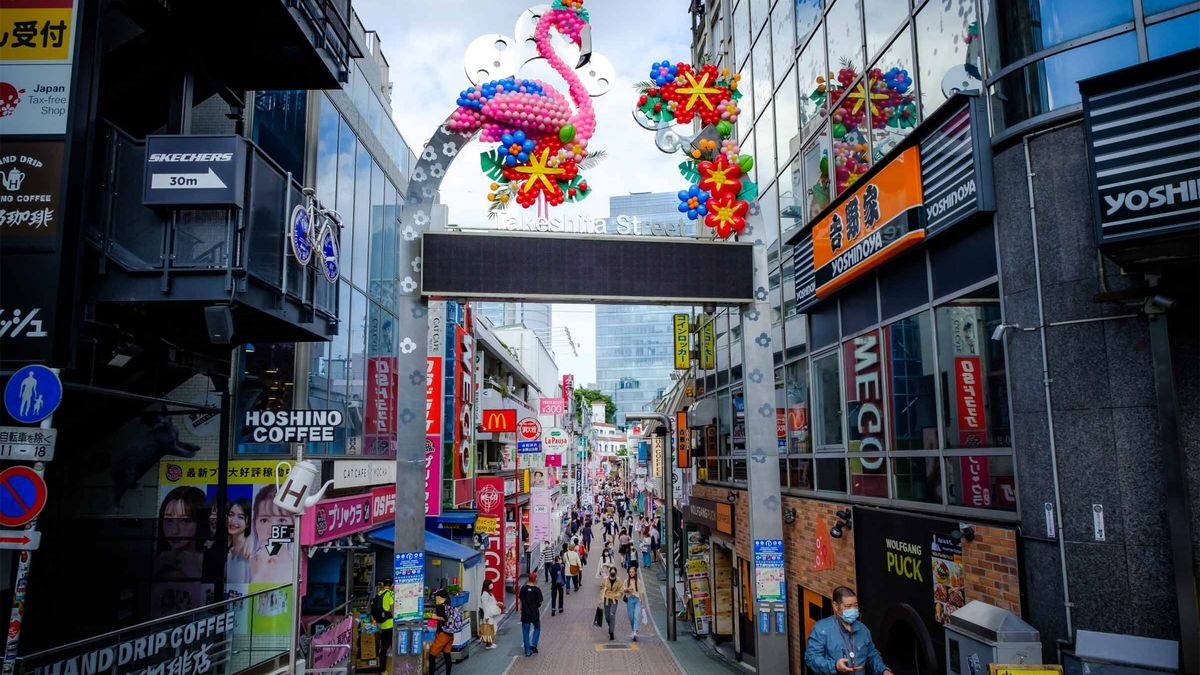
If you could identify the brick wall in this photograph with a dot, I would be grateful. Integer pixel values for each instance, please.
(800, 545)
(990, 566)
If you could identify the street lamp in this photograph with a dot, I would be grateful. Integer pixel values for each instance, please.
(669, 501)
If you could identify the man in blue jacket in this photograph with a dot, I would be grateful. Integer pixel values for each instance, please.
(841, 643)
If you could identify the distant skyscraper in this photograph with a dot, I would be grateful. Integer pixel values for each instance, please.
(634, 343)
(533, 315)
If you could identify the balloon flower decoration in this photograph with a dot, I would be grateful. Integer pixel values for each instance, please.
(543, 142)
(680, 93)
(887, 95)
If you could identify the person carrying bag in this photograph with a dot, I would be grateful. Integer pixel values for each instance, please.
(612, 592)
(574, 568)
(489, 611)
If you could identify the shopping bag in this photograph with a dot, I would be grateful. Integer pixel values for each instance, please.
(598, 622)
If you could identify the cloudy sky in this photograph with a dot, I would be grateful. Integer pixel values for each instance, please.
(425, 42)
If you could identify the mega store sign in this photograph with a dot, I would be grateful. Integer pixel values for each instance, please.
(935, 179)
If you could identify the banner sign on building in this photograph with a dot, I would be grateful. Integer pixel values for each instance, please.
(333, 518)
(539, 509)
(30, 188)
(708, 343)
(956, 168)
(380, 414)
(383, 504)
(1141, 124)
(683, 346)
(292, 426)
(552, 406)
(867, 409)
(683, 459)
(499, 421)
(363, 473)
(35, 92)
(194, 169)
(489, 499)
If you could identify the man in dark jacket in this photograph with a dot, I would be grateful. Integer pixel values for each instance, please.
(530, 599)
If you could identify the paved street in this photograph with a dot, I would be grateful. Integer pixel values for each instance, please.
(571, 644)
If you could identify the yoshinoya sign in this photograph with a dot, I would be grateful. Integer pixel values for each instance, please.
(194, 646)
(1143, 126)
(292, 426)
(192, 170)
(956, 167)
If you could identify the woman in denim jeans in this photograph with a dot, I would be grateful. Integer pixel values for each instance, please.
(635, 599)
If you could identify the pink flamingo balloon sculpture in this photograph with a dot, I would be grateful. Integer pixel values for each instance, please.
(506, 106)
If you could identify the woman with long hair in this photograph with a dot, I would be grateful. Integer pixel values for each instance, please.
(265, 567)
(182, 529)
(635, 599)
(490, 610)
(237, 559)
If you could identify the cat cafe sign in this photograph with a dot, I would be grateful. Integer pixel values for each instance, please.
(197, 646)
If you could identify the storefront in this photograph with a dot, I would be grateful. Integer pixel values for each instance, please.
(713, 578)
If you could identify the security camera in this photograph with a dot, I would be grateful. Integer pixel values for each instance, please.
(999, 331)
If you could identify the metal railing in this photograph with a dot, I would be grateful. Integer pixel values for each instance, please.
(223, 638)
(214, 240)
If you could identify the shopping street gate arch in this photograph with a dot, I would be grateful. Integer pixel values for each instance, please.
(594, 269)
(762, 469)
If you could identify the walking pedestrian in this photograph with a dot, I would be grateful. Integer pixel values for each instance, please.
(530, 599)
(644, 547)
(624, 547)
(612, 591)
(582, 551)
(635, 599)
(587, 536)
(654, 543)
(381, 608)
(547, 559)
(443, 641)
(558, 581)
(606, 560)
(574, 567)
(841, 644)
(489, 611)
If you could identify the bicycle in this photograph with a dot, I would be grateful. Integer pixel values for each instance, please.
(308, 239)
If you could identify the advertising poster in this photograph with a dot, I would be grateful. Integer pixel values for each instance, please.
(408, 585)
(949, 587)
(769, 582)
(510, 551)
(187, 561)
(539, 509)
(340, 633)
(698, 583)
(380, 422)
(823, 550)
(489, 497)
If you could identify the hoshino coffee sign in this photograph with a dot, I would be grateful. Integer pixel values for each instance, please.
(293, 426)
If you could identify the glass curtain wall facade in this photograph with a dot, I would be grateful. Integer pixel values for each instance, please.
(360, 174)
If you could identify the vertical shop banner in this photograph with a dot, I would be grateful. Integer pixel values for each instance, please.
(408, 585)
(949, 586)
(683, 447)
(866, 407)
(698, 583)
(968, 395)
(781, 430)
(464, 468)
(683, 346)
(659, 444)
(708, 344)
(511, 542)
(539, 519)
(433, 436)
(769, 582)
(330, 519)
(489, 499)
(381, 405)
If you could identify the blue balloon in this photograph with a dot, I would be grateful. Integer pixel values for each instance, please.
(507, 139)
(683, 195)
(683, 207)
(519, 136)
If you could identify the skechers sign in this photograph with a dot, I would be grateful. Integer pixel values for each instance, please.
(293, 426)
(1143, 126)
(194, 170)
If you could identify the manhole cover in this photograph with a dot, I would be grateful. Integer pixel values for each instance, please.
(616, 647)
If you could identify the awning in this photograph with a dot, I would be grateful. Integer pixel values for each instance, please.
(454, 517)
(434, 545)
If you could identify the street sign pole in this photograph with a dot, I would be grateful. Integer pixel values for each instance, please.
(16, 616)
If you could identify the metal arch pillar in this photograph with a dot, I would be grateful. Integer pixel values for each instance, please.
(762, 466)
(413, 330)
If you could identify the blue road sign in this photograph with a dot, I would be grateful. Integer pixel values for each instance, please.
(32, 394)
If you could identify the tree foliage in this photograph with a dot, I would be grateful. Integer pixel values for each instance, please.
(584, 398)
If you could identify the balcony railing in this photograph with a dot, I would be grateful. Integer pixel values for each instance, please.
(204, 254)
(227, 637)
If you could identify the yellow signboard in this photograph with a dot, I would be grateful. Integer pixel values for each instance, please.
(36, 30)
(201, 472)
(683, 346)
(1024, 669)
(487, 525)
(708, 345)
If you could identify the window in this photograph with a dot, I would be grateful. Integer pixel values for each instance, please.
(1174, 36)
(787, 121)
(763, 80)
(894, 115)
(843, 24)
(327, 151)
(764, 135)
(808, 13)
(981, 482)
(973, 377)
(812, 74)
(783, 37)
(361, 228)
(827, 401)
(948, 49)
(816, 175)
(265, 382)
(280, 125)
(883, 17)
(1025, 27)
(917, 479)
(909, 345)
(799, 429)
(831, 474)
(741, 31)
(1151, 7)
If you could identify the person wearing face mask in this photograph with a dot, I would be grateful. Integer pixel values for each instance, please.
(612, 592)
(841, 643)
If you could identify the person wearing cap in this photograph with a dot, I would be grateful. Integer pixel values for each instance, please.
(530, 599)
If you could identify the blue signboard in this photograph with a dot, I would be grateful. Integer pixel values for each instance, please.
(408, 586)
(764, 622)
(781, 621)
(194, 169)
(32, 394)
(528, 447)
(643, 451)
(769, 582)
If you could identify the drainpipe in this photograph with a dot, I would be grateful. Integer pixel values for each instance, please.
(1046, 381)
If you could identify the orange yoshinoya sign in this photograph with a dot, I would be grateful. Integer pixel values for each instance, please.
(879, 220)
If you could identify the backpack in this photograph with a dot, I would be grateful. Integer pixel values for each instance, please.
(377, 612)
(455, 621)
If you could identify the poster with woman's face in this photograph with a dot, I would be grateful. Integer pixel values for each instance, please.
(189, 557)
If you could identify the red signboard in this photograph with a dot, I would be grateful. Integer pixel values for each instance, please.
(499, 421)
(433, 436)
(865, 396)
(22, 496)
(489, 499)
(554, 460)
(972, 421)
(380, 420)
(530, 429)
(462, 396)
(383, 504)
(977, 484)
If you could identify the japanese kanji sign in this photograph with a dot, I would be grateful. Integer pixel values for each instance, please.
(30, 188)
(36, 30)
(27, 444)
(683, 347)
